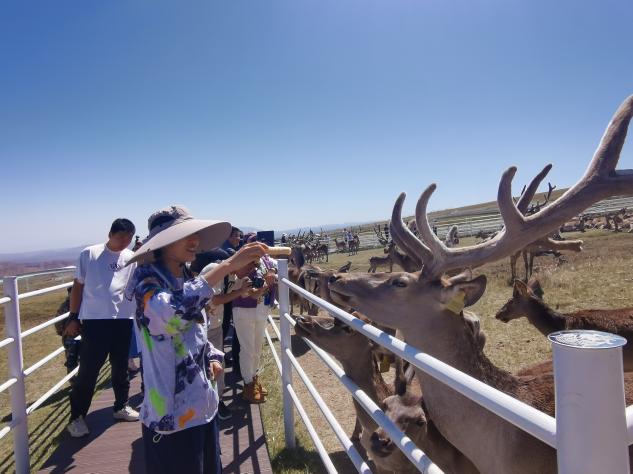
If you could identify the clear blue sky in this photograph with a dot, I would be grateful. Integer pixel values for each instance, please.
(286, 113)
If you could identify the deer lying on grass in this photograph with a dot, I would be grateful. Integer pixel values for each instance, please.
(354, 352)
(428, 309)
(527, 300)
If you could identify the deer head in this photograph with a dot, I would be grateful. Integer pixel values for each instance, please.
(419, 300)
(522, 296)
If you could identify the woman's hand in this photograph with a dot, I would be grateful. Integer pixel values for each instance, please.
(249, 253)
(215, 370)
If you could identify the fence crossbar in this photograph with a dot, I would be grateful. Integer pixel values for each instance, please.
(39, 327)
(44, 291)
(6, 430)
(47, 272)
(9, 383)
(323, 454)
(5, 299)
(351, 451)
(404, 443)
(529, 419)
(43, 361)
(6, 342)
(37, 403)
(272, 349)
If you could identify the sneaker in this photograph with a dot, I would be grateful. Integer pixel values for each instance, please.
(223, 412)
(78, 428)
(126, 413)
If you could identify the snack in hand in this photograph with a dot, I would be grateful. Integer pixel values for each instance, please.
(279, 251)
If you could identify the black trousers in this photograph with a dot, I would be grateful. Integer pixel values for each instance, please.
(190, 451)
(101, 338)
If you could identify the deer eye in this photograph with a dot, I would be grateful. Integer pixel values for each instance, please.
(399, 283)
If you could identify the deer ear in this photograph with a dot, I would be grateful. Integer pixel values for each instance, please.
(520, 289)
(464, 293)
(534, 286)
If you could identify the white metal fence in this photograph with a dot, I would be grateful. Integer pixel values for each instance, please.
(592, 429)
(14, 335)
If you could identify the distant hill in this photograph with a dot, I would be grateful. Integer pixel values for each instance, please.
(41, 255)
(32, 261)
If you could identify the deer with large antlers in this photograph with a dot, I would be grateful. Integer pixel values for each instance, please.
(428, 309)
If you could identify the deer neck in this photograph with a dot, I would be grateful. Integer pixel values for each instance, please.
(365, 374)
(544, 318)
(450, 341)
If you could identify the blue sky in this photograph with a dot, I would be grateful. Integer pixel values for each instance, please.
(279, 114)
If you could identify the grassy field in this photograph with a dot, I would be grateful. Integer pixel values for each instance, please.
(598, 277)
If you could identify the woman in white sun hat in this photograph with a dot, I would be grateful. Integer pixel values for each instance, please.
(180, 431)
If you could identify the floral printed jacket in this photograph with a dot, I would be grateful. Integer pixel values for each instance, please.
(170, 324)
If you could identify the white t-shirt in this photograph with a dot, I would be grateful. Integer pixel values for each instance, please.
(215, 313)
(105, 276)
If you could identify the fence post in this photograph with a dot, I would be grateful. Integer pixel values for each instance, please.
(591, 433)
(286, 365)
(16, 368)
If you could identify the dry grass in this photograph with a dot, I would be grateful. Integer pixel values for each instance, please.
(598, 277)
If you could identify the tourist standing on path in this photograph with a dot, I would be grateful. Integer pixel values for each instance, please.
(250, 313)
(180, 366)
(103, 317)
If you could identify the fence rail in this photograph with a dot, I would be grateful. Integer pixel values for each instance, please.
(18, 425)
(582, 447)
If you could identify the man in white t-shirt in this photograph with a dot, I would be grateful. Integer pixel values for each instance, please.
(103, 316)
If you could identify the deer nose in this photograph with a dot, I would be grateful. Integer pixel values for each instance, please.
(379, 442)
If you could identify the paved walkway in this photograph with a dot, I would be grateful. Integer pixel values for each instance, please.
(115, 447)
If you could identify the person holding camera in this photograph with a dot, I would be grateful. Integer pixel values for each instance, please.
(250, 315)
(103, 317)
(180, 365)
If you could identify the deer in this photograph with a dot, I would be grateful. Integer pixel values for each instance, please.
(452, 237)
(429, 309)
(354, 351)
(340, 246)
(390, 248)
(545, 245)
(527, 300)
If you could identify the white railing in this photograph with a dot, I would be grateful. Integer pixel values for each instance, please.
(17, 373)
(592, 429)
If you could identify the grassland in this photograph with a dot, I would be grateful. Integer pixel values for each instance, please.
(598, 277)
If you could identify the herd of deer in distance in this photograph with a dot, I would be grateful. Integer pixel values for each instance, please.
(424, 304)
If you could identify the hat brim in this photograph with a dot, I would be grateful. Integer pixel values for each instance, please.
(212, 234)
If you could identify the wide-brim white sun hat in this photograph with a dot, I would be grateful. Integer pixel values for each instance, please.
(173, 223)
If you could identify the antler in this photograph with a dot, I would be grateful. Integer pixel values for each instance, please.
(600, 181)
(381, 237)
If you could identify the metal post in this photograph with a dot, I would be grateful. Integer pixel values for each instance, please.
(590, 404)
(16, 367)
(286, 365)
